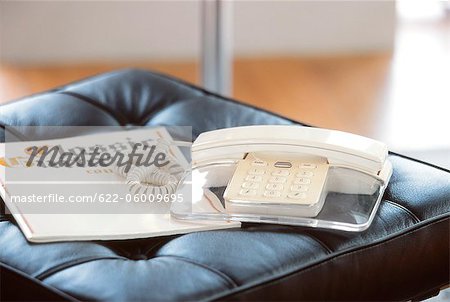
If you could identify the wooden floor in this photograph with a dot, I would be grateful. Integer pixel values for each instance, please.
(335, 92)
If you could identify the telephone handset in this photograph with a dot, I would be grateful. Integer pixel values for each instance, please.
(283, 170)
(340, 148)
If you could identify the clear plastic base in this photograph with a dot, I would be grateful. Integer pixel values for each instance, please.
(349, 200)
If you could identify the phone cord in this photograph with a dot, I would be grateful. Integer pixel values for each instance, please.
(153, 180)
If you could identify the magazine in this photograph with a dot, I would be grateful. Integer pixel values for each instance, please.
(73, 199)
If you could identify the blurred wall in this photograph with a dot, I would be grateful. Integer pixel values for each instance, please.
(63, 31)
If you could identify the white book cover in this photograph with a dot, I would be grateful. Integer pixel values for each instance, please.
(115, 217)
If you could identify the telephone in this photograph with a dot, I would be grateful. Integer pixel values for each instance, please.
(288, 170)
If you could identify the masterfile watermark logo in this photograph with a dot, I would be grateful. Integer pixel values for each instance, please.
(54, 157)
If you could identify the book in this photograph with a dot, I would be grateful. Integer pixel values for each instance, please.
(47, 202)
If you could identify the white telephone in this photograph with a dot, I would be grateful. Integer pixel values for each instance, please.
(283, 170)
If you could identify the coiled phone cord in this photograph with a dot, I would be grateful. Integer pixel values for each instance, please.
(153, 180)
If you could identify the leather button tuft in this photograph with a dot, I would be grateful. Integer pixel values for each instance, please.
(136, 249)
(139, 257)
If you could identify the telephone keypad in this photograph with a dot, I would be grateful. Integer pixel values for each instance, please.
(280, 173)
(254, 178)
(247, 192)
(277, 179)
(276, 187)
(250, 185)
(256, 171)
(302, 181)
(299, 188)
(305, 174)
(272, 193)
(265, 180)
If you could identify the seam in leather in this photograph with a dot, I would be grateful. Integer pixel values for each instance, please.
(263, 283)
(419, 161)
(322, 244)
(153, 248)
(404, 209)
(72, 263)
(148, 116)
(100, 76)
(157, 109)
(89, 79)
(221, 274)
(18, 135)
(121, 119)
(121, 252)
(327, 249)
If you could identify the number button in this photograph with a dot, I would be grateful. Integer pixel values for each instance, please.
(256, 171)
(277, 179)
(272, 193)
(297, 195)
(254, 178)
(302, 181)
(247, 192)
(259, 163)
(305, 174)
(250, 185)
(280, 173)
(308, 166)
(276, 187)
(299, 188)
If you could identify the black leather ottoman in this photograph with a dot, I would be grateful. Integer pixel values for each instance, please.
(403, 255)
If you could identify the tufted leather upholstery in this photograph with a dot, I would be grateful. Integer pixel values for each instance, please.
(404, 254)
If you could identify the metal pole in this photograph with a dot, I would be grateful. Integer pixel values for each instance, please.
(216, 56)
